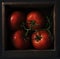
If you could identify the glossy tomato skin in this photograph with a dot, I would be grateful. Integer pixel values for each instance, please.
(18, 40)
(37, 18)
(44, 41)
(15, 19)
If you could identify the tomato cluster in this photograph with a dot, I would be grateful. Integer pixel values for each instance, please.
(29, 30)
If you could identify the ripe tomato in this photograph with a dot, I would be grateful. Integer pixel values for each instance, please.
(41, 39)
(15, 19)
(35, 17)
(18, 40)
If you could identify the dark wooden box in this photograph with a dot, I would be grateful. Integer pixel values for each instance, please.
(9, 7)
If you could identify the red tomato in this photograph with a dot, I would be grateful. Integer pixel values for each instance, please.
(36, 18)
(18, 40)
(16, 19)
(41, 39)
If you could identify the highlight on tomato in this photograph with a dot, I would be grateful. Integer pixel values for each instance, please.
(41, 39)
(18, 40)
(15, 19)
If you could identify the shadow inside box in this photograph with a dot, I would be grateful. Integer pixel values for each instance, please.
(45, 10)
(9, 46)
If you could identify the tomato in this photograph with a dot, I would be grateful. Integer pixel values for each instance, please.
(36, 19)
(18, 40)
(15, 20)
(41, 39)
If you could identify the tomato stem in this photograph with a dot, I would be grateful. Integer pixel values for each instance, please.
(38, 37)
(48, 22)
(24, 26)
(27, 29)
(32, 23)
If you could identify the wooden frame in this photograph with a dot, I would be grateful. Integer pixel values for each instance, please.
(28, 52)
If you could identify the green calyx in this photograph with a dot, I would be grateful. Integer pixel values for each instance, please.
(32, 22)
(38, 37)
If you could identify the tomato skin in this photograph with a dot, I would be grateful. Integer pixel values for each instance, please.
(18, 40)
(15, 20)
(37, 17)
(44, 42)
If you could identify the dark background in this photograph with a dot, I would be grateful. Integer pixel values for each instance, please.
(57, 32)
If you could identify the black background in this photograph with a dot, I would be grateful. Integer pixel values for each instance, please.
(57, 31)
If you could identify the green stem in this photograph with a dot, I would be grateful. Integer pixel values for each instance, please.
(24, 26)
(31, 26)
(48, 22)
(32, 23)
(27, 31)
